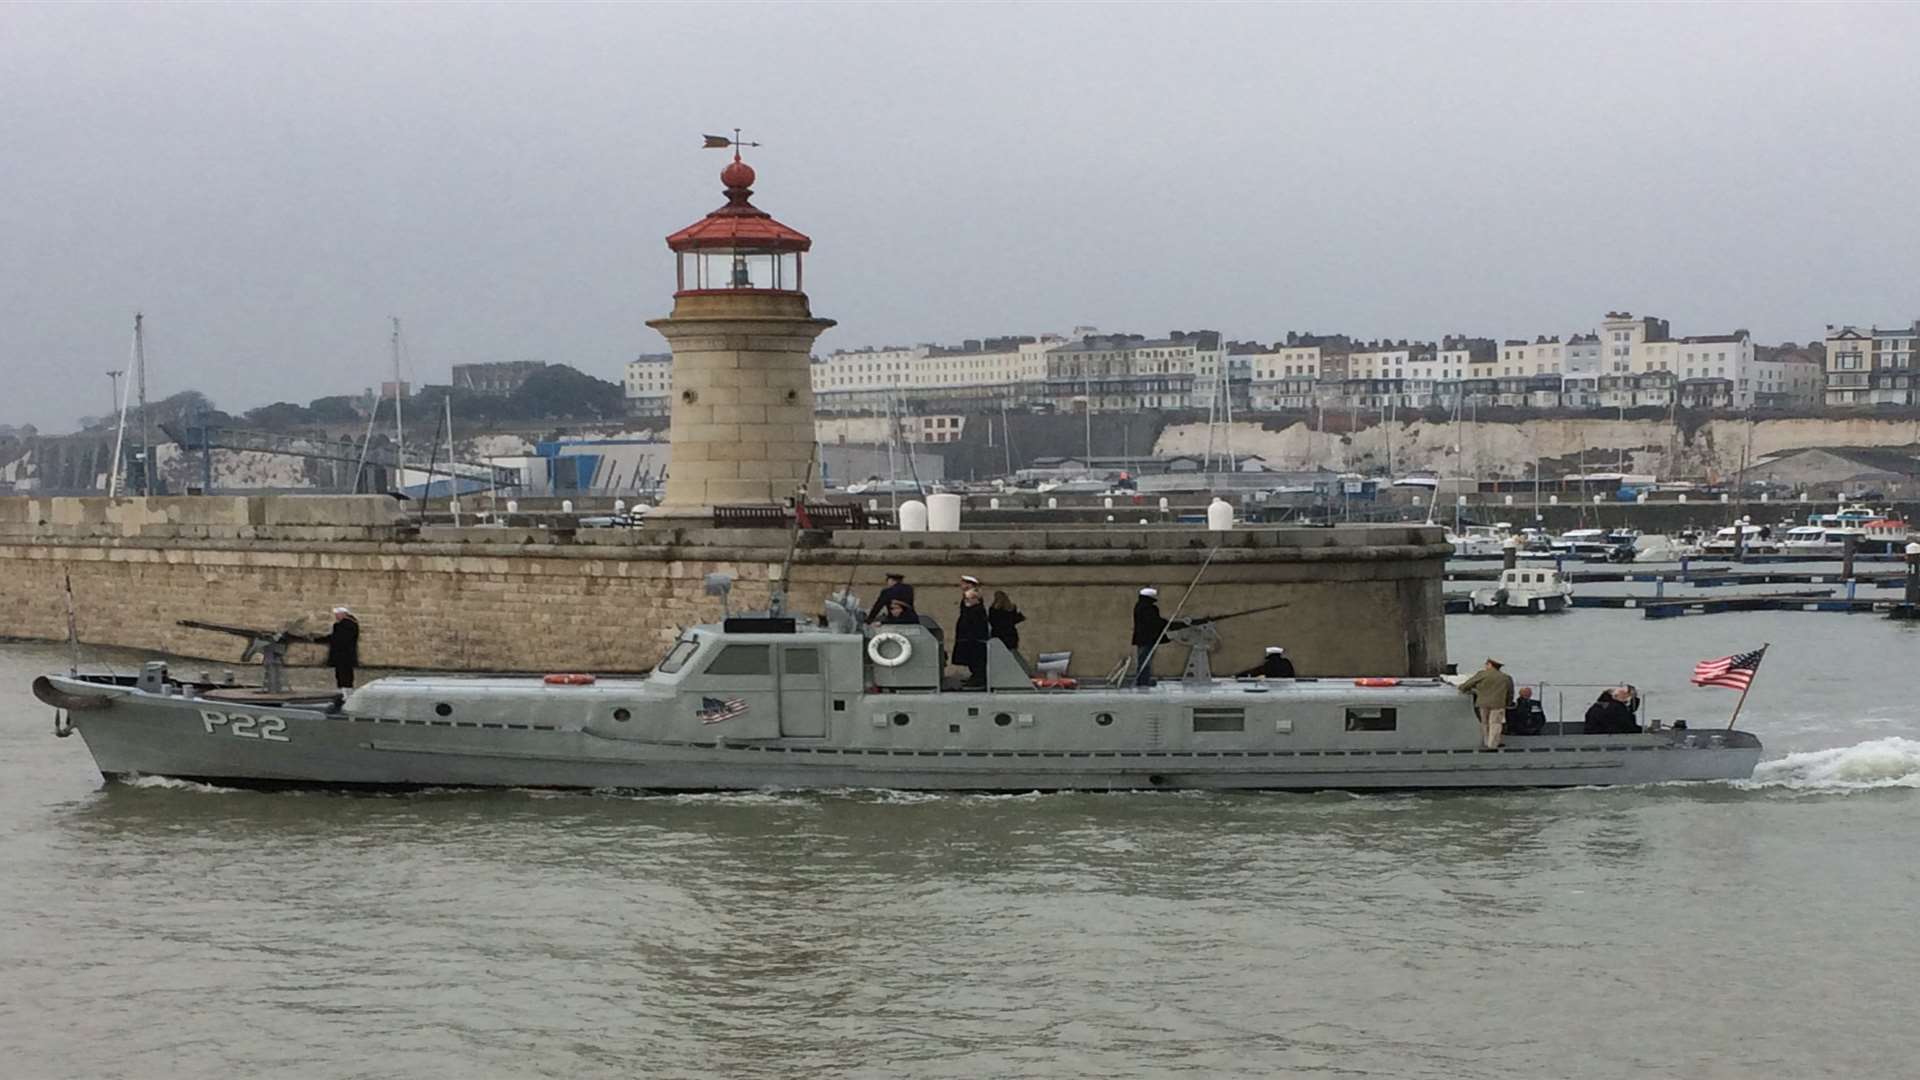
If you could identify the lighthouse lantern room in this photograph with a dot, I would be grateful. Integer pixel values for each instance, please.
(738, 247)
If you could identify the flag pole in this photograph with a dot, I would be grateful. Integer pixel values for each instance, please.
(1764, 646)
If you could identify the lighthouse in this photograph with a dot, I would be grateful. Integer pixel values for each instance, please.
(742, 337)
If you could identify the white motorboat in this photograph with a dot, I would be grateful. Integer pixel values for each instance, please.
(1478, 541)
(1749, 538)
(1526, 590)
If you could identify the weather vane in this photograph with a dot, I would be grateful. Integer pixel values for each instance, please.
(721, 142)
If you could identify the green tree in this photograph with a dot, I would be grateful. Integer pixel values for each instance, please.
(560, 392)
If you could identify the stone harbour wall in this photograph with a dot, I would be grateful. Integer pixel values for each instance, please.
(1361, 600)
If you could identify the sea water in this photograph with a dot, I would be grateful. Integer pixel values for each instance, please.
(1766, 928)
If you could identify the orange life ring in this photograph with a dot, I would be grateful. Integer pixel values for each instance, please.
(569, 680)
(1376, 682)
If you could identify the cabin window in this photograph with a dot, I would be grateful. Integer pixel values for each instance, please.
(740, 660)
(1372, 718)
(1219, 719)
(1003, 719)
(1103, 719)
(622, 715)
(802, 661)
(901, 719)
(682, 652)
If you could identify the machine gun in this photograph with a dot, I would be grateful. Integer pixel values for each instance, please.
(1200, 637)
(269, 645)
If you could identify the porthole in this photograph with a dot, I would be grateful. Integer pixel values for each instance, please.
(1002, 719)
(622, 715)
(1103, 719)
(900, 719)
(443, 709)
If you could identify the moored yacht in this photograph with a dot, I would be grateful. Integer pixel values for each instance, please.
(1743, 536)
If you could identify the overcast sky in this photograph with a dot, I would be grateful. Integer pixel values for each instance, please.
(269, 183)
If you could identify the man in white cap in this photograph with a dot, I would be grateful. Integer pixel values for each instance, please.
(1148, 628)
(1275, 666)
(343, 647)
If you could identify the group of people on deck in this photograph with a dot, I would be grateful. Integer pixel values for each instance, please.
(1504, 710)
(981, 620)
(978, 622)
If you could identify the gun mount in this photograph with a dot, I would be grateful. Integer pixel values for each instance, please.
(269, 645)
(1200, 636)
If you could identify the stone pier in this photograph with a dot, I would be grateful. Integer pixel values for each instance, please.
(1360, 600)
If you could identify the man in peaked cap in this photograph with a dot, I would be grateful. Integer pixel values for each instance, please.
(896, 589)
(1492, 691)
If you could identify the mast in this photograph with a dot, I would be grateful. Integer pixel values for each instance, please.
(1224, 374)
(1087, 373)
(146, 429)
(119, 440)
(893, 439)
(359, 470)
(1006, 437)
(453, 494)
(399, 421)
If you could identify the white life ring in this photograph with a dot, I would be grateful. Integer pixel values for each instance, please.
(875, 654)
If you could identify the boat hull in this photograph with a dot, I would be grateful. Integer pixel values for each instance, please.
(140, 734)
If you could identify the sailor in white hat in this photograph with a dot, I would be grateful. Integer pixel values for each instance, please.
(1148, 628)
(343, 646)
(1274, 666)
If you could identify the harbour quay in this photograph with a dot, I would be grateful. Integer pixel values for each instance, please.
(1353, 599)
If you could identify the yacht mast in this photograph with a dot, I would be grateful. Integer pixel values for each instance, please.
(146, 429)
(399, 422)
(119, 439)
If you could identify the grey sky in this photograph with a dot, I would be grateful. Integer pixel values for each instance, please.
(269, 183)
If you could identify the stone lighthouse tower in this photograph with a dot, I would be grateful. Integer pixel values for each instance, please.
(742, 338)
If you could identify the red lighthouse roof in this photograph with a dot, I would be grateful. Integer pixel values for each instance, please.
(739, 225)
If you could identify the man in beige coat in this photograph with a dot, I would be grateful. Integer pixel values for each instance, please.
(1492, 691)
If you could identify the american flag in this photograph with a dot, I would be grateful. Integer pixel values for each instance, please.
(1730, 671)
(713, 709)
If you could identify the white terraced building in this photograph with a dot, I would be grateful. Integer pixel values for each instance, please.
(649, 384)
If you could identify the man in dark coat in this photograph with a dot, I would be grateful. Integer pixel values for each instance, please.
(899, 613)
(343, 647)
(897, 589)
(1275, 666)
(1148, 628)
(1525, 716)
(970, 633)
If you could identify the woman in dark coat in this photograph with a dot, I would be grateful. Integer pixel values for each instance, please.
(1003, 621)
(970, 633)
(900, 613)
(1613, 713)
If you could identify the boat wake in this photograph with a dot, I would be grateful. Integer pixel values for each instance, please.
(1880, 763)
(168, 783)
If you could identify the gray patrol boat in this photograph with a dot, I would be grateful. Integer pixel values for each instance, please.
(771, 701)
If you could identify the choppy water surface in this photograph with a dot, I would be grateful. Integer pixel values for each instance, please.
(1760, 929)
